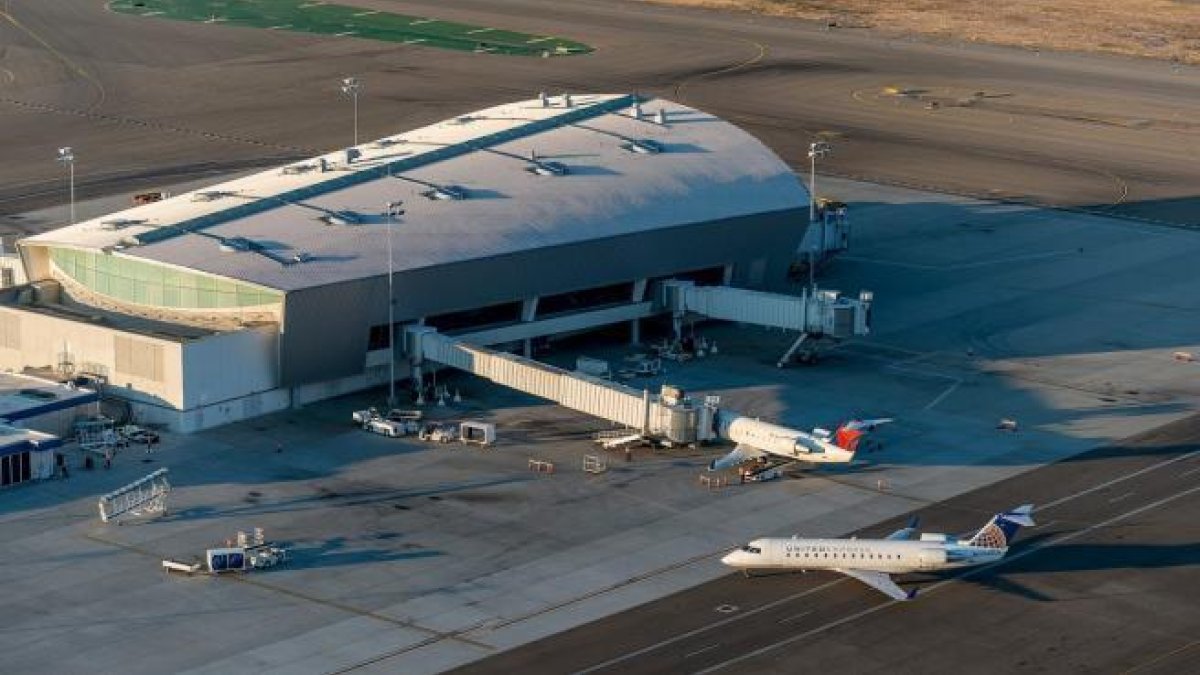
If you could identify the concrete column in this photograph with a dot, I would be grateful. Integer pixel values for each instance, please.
(528, 313)
(529, 309)
(635, 326)
(639, 290)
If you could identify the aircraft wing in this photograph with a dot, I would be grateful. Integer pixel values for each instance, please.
(880, 582)
(905, 533)
(740, 454)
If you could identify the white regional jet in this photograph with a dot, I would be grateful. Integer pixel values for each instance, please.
(756, 439)
(872, 560)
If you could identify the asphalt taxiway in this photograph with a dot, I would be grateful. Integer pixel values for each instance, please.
(1105, 582)
(157, 101)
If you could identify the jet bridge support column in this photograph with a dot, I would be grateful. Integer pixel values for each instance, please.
(416, 359)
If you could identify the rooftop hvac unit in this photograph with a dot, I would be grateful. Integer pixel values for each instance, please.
(341, 218)
(643, 146)
(119, 223)
(235, 244)
(542, 168)
(445, 193)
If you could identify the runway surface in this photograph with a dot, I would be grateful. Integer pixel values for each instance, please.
(1105, 582)
(154, 102)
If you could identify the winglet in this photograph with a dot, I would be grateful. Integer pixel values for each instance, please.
(914, 522)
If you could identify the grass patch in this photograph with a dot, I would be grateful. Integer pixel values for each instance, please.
(321, 18)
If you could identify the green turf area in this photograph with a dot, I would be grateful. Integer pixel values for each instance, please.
(313, 16)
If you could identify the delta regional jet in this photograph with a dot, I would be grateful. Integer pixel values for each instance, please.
(871, 561)
(760, 440)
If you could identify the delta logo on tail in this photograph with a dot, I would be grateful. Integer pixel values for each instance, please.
(848, 435)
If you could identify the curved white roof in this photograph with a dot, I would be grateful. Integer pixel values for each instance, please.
(255, 228)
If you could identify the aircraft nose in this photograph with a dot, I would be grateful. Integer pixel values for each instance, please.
(730, 558)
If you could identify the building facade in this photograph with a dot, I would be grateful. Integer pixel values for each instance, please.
(519, 221)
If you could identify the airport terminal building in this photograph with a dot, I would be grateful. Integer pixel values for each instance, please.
(525, 220)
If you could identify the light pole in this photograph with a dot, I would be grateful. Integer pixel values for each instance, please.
(350, 87)
(816, 149)
(393, 211)
(67, 156)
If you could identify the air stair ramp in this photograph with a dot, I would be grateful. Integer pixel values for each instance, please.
(144, 496)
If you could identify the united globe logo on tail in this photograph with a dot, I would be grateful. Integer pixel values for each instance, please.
(1002, 528)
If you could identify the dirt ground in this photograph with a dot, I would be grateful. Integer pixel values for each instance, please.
(1163, 29)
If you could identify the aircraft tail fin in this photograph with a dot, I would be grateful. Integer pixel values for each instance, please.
(848, 438)
(1000, 531)
(849, 434)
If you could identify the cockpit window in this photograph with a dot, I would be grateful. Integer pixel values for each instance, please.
(751, 549)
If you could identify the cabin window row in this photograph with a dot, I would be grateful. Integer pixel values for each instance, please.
(864, 556)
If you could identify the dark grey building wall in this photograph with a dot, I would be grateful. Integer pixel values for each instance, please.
(326, 328)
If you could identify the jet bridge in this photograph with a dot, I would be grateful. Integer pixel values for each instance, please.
(669, 415)
(816, 314)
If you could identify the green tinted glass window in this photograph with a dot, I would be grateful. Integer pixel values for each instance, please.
(146, 283)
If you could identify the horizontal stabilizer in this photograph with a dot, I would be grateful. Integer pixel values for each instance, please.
(866, 425)
(1020, 515)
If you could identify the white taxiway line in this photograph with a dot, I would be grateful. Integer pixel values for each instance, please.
(1118, 479)
(702, 650)
(971, 572)
(796, 616)
(942, 396)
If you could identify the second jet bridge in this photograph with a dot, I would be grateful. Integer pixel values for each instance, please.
(814, 314)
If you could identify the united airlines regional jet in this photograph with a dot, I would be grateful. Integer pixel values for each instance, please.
(871, 561)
